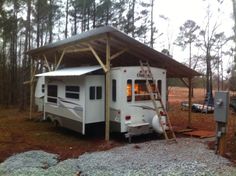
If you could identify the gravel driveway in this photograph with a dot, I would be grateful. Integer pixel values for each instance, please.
(155, 158)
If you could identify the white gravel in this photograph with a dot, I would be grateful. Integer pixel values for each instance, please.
(155, 158)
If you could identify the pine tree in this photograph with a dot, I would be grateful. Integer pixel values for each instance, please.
(188, 37)
(13, 54)
(40, 19)
(25, 62)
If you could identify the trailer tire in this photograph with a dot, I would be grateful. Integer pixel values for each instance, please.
(56, 124)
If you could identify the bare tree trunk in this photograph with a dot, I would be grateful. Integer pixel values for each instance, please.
(152, 24)
(133, 17)
(50, 21)
(13, 58)
(222, 76)
(38, 25)
(67, 13)
(209, 94)
(3, 75)
(75, 24)
(94, 14)
(190, 66)
(88, 19)
(83, 24)
(41, 35)
(25, 62)
(234, 28)
(108, 12)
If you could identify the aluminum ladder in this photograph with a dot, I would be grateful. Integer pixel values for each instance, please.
(149, 76)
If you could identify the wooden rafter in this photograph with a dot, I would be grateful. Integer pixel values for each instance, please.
(55, 60)
(99, 45)
(118, 53)
(28, 82)
(45, 59)
(97, 57)
(59, 62)
(77, 50)
(185, 82)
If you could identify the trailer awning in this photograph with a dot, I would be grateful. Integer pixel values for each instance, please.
(74, 71)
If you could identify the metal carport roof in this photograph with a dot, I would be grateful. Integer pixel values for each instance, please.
(76, 52)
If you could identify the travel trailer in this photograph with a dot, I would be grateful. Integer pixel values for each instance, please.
(75, 98)
(39, 93)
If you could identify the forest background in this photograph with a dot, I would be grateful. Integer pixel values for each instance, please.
(27, 24)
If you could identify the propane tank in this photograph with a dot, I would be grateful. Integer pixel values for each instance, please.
(156, 124)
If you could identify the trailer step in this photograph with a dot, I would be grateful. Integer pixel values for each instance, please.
(137, 124)
(137, 129)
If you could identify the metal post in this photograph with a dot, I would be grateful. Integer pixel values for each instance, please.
(190, 102)
(221, 128)
(108, 79)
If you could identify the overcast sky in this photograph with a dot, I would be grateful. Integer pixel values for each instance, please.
(178, 11)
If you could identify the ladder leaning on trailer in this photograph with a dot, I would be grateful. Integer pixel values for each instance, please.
(148, 74)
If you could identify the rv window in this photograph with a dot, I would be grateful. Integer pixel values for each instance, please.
(72, 92)
(129, 90)
(43, 88)
(113, 90)
(99, 93)
(52, 93)
(95, 93)
(72, 88)
(92, 93)
(141, 92)
(159, 84)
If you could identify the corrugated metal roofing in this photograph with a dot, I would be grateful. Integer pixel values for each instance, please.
(97, 38)
(74, 71)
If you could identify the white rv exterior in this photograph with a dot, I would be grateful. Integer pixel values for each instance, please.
(39, 93)
(75, 98)
(132, 104)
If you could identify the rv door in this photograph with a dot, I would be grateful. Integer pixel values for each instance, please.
(95, 97)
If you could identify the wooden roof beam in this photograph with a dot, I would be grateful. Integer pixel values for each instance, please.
(97, 57)
(118, 53)
(185, 82)
(77, 50)
(61, 57)
(45, 59)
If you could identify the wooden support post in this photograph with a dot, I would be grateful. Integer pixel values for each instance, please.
(222, 145)
(222, 138)
(108, 80)
(190, 102)
(31, 89)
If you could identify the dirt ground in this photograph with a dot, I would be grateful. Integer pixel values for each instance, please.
(179, 118)
(19, 134)
(201, 121)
